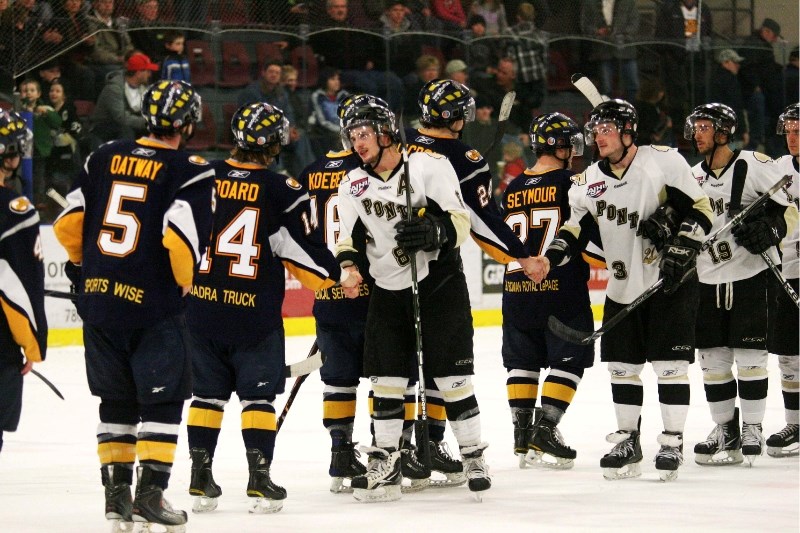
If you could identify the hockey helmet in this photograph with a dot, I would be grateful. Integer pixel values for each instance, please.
(722, 117)
(259, 127)
(615, 111)
(365, 109)
(169, 105)
(790, 113)
(15, 137)
(445, 101)
(552, 131)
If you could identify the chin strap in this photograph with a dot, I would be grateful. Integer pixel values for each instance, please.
(565, 161)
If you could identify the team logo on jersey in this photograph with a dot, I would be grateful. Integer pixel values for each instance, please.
(293, 183)
(596, 190)
(474, 155)
(334, 164)
(197, 160)
(424, 140)
(20, 205)
(238, 173)
(762, 158)
(578, 179)
(660, 148)
(533, 181)
(358, 187)
(144, 152)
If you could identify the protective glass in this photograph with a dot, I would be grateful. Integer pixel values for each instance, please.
(594, 128)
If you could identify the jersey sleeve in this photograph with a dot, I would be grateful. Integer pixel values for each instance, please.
(685, 194)
(443, 189)
(68, 226)
(764, 173)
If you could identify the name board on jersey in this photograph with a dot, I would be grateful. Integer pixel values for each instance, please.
(358, 187)
(596, 190)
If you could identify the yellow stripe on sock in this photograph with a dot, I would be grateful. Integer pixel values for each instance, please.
(116, 452)
(558, 391)
(163, 452)
(207, 418)
(258, 420)
(337, 410)
(522, 391)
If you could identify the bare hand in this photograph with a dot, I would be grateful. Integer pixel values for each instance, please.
(540, 267)
(351, 282)
(528, 265)
(26, 367)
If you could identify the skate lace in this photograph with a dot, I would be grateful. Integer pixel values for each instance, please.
(559, 438)
(476, 467)
(788, 431)
(623, 449)
(716, 438)
(443, 451)
(670, 452)
(751, 435)
(379, 467)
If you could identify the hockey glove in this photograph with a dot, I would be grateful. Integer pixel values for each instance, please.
(425, 232)
(661, 226)
(73, 273)
(678, 262)
(758, 235)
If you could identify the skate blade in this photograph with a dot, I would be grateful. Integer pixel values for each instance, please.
(414, 485)
(203, 504)
(451, 479)
(723, 458)
(788, 451)
(120, 526)
(668, 475)
(265, 506)
(478, 495)
(386, 493)
(629, 471)
(751, 459)
(523, 460)
(338, 486)
(545, 460)
(151, 527)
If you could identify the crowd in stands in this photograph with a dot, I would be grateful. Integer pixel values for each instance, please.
(109, 60)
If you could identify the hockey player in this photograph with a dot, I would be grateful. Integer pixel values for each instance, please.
(732, 317)
(372, 202)
(782, 336)
(261, 225)
(137, 221)
(534, 204)
(627, 186)
(23, 324)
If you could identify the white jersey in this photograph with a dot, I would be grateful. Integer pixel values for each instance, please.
(790, 246)
(372, 204)
(619, 204)
(726, 261)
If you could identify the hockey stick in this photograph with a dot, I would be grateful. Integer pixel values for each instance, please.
(737, 187)
(502, 119)
(588, 89)
(423, 397)
(57, 198)
(313, 354)
(62, 295)
(48, 383)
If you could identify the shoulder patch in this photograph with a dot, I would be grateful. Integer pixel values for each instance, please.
(20, 205)
(197, 160)
(660, 148)
(578, 179)
(761, 158)
(293, 183)
(474, 155)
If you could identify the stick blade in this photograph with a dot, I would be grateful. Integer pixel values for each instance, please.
(306, 366)
(505, 106)
(564, 332)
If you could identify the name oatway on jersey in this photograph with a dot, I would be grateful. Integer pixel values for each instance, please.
(127, 165)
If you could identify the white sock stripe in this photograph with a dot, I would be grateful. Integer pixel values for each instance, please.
(248, 403)
(528, 374)
(211, 401)
(115, 429)
(158, 427)
(330, 389)
(565, 375)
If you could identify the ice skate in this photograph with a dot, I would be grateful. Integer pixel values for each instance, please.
(118, 497)
(344, 466)
(723, 445)
(523, 431)
(625, 458)
(267, 496)
(547, 447)
(446, 471)
(476, 469)
(785, 442)
(415, 476)
(670, 456)
(151, 510)
(752, 442)
(202, 485)
(383, 479)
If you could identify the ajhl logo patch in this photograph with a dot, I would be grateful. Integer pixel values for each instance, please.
(596, 190)
(358, 187)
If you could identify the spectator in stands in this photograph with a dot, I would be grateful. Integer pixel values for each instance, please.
(403, 48)
(678, 24)
(655, 125)
(48, 73)
(72, 23)
(542, 8)
(45, 121)
(145, 37)
(22, 41)
(324, 119)
(455, 69)
(483, 53)
(480, 134)
(725, 88)
(791, 78)
(423, 18)
(513, 165)
(527, 45)
(494, 13)
(118, 112)
(64, 160)
(110, 43)
(617, 27)
(502, 78)
(427, 68)
(451, 12)
(299, 99)
(359, 57)
(175, 65)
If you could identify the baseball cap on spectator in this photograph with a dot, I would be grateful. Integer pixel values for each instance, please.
(454, 65)
(482, 101)
(773, 25)
(729, 55)
(138, 62)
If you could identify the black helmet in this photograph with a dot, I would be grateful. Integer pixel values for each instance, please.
(445, 101)
(168, 106)
(618, 112)
(790, 113)
(722, 117)
(260, 127)
(15, 137)
(552, 131)
(365, 109)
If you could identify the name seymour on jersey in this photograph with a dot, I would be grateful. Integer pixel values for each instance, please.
(531, 196)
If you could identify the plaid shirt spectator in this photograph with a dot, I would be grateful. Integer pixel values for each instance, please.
(528, 47)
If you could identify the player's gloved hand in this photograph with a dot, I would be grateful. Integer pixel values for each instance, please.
(425, 232)
(759, 235)
(661, 226)
(73, 273)
(678, 262)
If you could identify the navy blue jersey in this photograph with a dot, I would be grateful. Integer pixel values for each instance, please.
(535, 205)
(22, 321)
(262, 224)
(138, 219)
(475, 180)
(321, 179)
